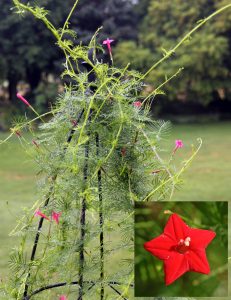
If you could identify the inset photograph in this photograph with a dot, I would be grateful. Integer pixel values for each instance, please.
(181, 249)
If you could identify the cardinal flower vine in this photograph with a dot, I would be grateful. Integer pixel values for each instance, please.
(181, 248)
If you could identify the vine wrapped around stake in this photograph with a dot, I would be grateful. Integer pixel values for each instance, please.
(96, 167)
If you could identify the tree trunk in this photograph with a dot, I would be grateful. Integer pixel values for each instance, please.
(13, 80)
(33, 76)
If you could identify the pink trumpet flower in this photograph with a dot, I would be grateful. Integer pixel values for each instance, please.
(56, 216)
(108, 43)
(178, 144)
(35, 143)
(123, 152)
(18, 133)
(38, 213)
(156, 172)
(19, 96)
(62, 297)
(74, 123)
(137, 104)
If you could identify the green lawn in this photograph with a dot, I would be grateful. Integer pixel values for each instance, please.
(207, 179)
(17, 190)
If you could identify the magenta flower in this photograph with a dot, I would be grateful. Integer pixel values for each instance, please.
(38, 213)
(19, 96)
(74, 123)
(137, 104)
(35, 143)
(62, 297)
(18, 133)
(181, 248)
(108, 43)
(156, 172)
(56, 216)
(178, 144)
(123, 152)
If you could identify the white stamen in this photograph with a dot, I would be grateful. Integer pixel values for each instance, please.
(187, 241)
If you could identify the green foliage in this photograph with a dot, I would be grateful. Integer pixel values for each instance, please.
(17, 187)
(33, 52)
(205, 56)
(139, 57)
(117, 18)
(45, 94)
(29, 51)
(97, 167)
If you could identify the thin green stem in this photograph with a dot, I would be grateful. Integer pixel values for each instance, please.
(185, 38)
(155, 91)
(19, 127)
(161, 162)
(114, 144)
(125, 291)
(176, 176)
(48, 24)
(68, 18)
(105, 100)
(88, 112)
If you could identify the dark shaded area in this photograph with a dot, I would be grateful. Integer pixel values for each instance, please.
(29, 53)
(31, 62)
(191, 112)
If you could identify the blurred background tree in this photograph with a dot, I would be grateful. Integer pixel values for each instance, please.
(205, 57)
(142, 30)
(118, 18)
(26, 52)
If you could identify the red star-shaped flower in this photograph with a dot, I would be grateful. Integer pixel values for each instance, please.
(181, 248)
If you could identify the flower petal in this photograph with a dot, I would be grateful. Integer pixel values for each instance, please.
(176, 228)
(160, 246)
(175, 266)
(198, 261)
(19, 96)
(201, 238)
(40, 214)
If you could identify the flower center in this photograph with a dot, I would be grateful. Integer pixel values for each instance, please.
(183, 245)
